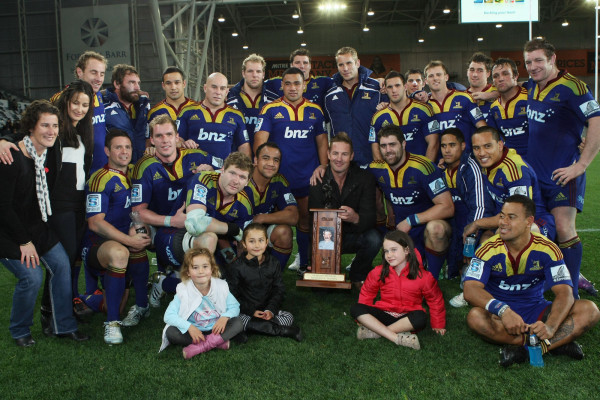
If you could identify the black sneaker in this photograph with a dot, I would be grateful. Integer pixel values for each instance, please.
(510, 355)
(302, 270)
(80, 309)
(571, 349)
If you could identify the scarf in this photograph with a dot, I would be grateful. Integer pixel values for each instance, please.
(41, 186)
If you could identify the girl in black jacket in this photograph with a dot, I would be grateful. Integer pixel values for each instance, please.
(255, 280)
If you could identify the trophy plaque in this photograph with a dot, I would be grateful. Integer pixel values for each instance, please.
(326, 252)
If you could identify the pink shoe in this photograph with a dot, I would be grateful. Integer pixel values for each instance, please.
(224, 346)
(193, 350)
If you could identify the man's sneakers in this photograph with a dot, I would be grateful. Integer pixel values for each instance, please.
(156, 292)
(112, 332)
(586, 285)
(135, 315)
(459, 301)
(571, 349)
(365, 333)
(295, 264)
(510, 355)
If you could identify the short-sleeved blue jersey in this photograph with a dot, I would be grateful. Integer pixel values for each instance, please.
(160, 185)
(218, 134)
(276, 197)
(294, 129)
(412, 187)
(416, 120)
(519, 282)
(108, 192)
(557, 116)
(458, 110)
(250, 107)
(510, 120)
(203, 189)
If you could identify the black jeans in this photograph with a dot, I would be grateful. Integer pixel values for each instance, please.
(366, 245)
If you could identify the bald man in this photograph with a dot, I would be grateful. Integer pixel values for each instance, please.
(212, 125)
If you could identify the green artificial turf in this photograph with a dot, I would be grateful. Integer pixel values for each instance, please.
(329, 364)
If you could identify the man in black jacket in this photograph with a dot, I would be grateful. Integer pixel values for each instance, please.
(347, 187)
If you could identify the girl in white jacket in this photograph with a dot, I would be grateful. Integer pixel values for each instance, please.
(203, 313)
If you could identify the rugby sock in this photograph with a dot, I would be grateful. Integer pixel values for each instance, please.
(303, 242)
(573, 252)
(114, 287)
(282, 255)
(169, 284)
(138, 271)
(435, 261)
(94, 301)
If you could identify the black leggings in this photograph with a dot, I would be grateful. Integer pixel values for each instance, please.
(174, 335)
(418, 318)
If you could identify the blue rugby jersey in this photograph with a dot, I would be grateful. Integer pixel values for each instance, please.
(276, 197)
(510, 120)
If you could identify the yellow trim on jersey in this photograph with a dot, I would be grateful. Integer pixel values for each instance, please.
(511, 165)
(100, 178)
(577, 87)
(511, 111)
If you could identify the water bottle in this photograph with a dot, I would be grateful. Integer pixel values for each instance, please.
(137, 222)
(469, 248)
(535, 351)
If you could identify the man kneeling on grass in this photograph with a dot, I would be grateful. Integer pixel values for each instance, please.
(505, 283)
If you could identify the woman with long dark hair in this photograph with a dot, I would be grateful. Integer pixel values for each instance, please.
(402, 283)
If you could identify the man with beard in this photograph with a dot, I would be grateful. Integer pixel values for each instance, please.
(127, 108)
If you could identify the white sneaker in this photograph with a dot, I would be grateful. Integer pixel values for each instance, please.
(408, 339)
(365, 333)
(459, 301)
(135, 315)
(112, 332)
(295, 264)
(156, 292)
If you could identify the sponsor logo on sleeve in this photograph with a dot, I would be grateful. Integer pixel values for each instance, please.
(200, 193)
(518, 190)
(437, 186)
(372, 134)
(475, 269)
(289, 198)
(136, 193)
(476, 113)
(258, 125)
(93, 203)
(589, 107)
(433, 126)
(560, 273)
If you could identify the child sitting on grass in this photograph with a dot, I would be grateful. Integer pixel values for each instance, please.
(403, 284)
(255, 280)
(203, 312)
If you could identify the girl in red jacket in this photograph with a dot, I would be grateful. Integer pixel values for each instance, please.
(403, 283)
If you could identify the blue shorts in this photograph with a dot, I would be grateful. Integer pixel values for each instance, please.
(533, 313)
(571, 195)
(169, 250)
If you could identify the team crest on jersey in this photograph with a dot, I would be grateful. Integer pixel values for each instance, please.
(312, 116)
(457, 105)
(412, 180)
(366, 96)
(195, 118)
(497, 267)
(274, 194)
(200, 193)
(279, 115)
(212, 201)
(118, 188)
(231, 121)
(522, 112)
(536, 266)
(555, 97)
(415, 118)
(560, 273)
(314, 85)
(499, 183)
(589, 107)
(475, 269)
(437, 186)
(93, 203)
(156, 176)
(289, 198)
(136, 193)
(233, 213)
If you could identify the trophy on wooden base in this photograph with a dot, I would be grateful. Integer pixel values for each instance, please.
(326, 252)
